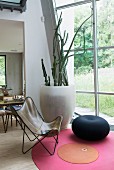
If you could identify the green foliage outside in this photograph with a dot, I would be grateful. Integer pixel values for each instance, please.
(106, 84)
(84, 62)
(105, 35)
(2, 70)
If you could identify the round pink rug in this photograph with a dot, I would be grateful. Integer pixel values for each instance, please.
(104, 147)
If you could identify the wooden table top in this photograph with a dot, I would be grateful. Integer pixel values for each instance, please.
(12, 102)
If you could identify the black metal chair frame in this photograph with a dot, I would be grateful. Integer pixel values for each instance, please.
(36, 136)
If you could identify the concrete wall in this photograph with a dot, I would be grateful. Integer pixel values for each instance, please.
(14, 73)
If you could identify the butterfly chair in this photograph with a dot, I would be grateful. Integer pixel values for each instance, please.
(32, 120)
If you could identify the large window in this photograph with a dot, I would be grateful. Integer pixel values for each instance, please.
(93, 67)
(2, 70)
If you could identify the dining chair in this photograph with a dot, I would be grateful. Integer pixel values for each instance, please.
(3, 116)
(6, 115)
(33, 121)
(9, 114)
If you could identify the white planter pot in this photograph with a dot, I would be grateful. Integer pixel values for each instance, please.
(57, 100)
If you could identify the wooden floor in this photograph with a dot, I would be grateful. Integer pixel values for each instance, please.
(11, 157)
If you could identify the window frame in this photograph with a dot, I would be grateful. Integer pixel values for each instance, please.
(5, 85)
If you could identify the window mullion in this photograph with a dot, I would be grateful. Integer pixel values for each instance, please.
(95, 57)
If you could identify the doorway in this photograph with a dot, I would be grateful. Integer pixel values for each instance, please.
(12, 46)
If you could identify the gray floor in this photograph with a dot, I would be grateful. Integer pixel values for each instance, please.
(112, 127)
(11, 157)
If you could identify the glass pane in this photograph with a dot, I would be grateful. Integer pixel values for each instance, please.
(105, 25)
(12, 1)
(83, 69)
(75, 17)
(85, 104)
(2, 70)
(106, 107)
(106, 70)
(86, 31)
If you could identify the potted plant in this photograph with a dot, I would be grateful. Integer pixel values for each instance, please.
(58, 97)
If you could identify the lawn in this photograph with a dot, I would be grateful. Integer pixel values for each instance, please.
(85, 82)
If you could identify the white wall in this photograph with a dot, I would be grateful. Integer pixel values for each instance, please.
(68, 25)
(35, 45)
(35, 48)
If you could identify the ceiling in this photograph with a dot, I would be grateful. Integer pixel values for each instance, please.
(11, 36)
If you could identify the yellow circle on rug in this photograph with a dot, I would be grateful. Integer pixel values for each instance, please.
(77, 153)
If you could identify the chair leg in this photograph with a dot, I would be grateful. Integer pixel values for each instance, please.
(39, 141)
(11, 120)
(23, 144)
(16, 120)
(4, 124)
(56, 139)
(6, 121)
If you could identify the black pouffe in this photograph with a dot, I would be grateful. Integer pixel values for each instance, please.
(90, 127)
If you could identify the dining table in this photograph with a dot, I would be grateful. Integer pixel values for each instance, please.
(11, 102)
(5, 104)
